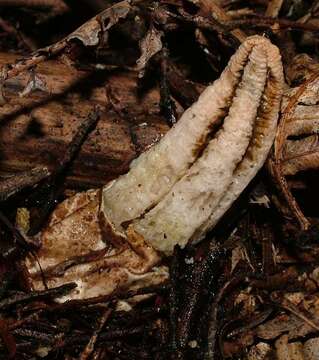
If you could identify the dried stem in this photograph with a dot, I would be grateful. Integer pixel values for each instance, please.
(22, 298)
(51, 190)
(174, 296)
(210, 7)
(264, 22)
(90, 346)
(16, 183)
(201, 271)
(273, 8)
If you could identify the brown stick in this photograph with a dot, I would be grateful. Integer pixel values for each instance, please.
(90, 345)
(12, 185)
(210, 7)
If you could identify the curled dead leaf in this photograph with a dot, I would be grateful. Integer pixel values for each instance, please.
(150, 45)
(89, 33)
(292, 154)
(301, 155)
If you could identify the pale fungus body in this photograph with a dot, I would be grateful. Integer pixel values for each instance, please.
(176, 191)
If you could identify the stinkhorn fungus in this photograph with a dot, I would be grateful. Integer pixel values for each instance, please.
(175, 192)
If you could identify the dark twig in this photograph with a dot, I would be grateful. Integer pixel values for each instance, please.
(75, 340)
(16, 183)
(48, 194)
(51, 293)
(167, 105)
(90, 346)
(173, 296)
(265, 22)
(18, 34)
(18, 237)
(202, 269)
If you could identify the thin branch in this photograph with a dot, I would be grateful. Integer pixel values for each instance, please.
(16, 183)
(52, 293)
(90, 346)
(51, 190)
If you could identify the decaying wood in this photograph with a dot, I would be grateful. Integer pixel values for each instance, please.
(46, 121)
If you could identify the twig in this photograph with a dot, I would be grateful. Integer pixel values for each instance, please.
(212, 8)
(16, 183)
(209, 23)
(15, 232)
(51, 190)
(273, 8)
(291, 307)
(173, 296)
(200, 272)
(90, 346)
(262, 21)
(74, 340)
(21, 298)
(166, 103)
(280, 139)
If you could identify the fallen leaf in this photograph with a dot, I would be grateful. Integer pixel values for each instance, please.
(261, 351)
(296, 144)
(89, 33)
(301, 155)
(150, 45)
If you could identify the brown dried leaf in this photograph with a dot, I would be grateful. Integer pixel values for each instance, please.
(150, 45)
(89, 33)
(299, 323)
(260, 351)
(298, 118)
(300, 69)
(301, 155)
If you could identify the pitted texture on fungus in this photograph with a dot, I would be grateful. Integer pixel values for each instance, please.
(175, 192)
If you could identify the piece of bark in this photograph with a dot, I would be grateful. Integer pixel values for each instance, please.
(35, 129)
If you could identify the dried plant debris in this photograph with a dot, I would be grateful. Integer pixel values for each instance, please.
(296, 140)
(154, 235)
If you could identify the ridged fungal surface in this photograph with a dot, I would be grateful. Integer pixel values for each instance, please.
(173, 193)
(179, 189)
